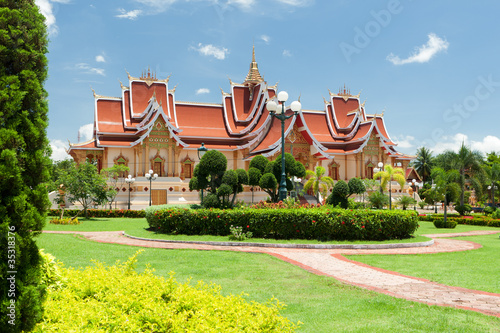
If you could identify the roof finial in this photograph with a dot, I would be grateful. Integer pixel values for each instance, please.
(253, 76)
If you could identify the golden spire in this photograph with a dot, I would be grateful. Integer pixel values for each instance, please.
(253, 76)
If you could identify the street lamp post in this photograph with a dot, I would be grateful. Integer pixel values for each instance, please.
(273, 108)
(129, 180)
(201, 151)
(414, 190)
(150, 176)
(433, 186)
(380, 168)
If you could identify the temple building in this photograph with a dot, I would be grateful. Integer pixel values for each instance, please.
(147, 128)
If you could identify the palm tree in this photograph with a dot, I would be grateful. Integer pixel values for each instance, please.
(388, 175)
(318, 182)
(469, 164)
(444, 181)
(424, 163)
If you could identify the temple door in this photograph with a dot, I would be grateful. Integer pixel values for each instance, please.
(157, 168)
(159, 197)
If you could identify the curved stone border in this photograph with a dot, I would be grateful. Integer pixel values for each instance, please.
(295, 246)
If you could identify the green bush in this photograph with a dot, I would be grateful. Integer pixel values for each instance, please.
(464, 209)
(489, 210)
(482, 220)
(440, 223)
(100, 212)
(496, 214)
(378, 200)
(119, 299)
(284, 223)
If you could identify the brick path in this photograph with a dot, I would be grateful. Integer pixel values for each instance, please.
(331, 262)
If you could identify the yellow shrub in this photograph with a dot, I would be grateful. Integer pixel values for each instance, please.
(67, 220)
(119, 299)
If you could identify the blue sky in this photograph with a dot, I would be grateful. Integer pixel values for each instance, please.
(431, 66)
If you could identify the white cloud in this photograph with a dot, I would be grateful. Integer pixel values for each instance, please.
(100, 58)
(244, 4)
(287, 53)
(210, 50)
(405, 141)
(424, 53)
(131, 15)
(50, 19)
(202, 91)
(488, 144)
(59, 150)
(265, 38)
(297, 3)
(86, 132)
(87, 69)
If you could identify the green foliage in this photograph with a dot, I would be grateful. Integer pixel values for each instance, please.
(117, 298)
(269, 184)
(342, 190)
(496, 215)
(254, 175)
(259, 162)
(356, 186)
(463, 209)
(237, 233)
(318, 182)
(68, 221)
(52, 276)
(442, 223)
(405, 201)
(102, 212)
(85, 185)
(24, 161)
(116, 179)
(391, 174)
(211, 200)
(378, 200)
(288, 223)
(424, 163)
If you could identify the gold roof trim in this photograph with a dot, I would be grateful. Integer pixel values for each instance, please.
(253, 76)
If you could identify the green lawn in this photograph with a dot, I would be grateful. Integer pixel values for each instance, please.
(477, 269)
(321, 303)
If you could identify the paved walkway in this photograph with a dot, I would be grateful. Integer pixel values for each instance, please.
(331, 262)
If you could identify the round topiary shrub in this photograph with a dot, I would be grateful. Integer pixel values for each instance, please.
(440, 223)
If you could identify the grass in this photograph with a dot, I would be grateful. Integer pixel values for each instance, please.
(321, 303)
(477, 269)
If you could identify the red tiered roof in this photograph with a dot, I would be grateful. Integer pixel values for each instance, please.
(241, 121)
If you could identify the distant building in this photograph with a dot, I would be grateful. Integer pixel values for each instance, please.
(147, 128)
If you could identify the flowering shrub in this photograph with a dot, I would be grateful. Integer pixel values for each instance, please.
(312, 223)
(66, 221)
(474, 220)
(101, 212)
(118, 299)
(237, 233)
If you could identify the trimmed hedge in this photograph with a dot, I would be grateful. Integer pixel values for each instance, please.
(314, 223)
(449, 224)
(100, 212)
(470, 220)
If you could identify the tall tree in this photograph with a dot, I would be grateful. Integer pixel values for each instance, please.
(469, 164)
(445, 181)
(389, 175)
(318, 182)
(424, 163)
(116, 179)
(24, 162)
(85, 185)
